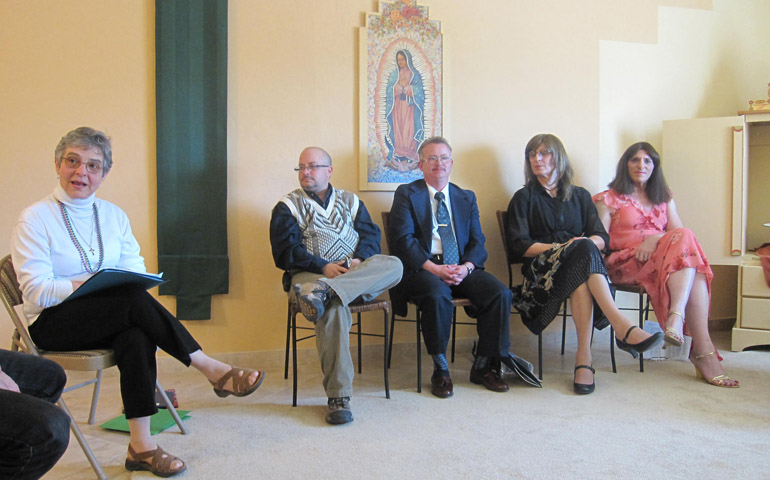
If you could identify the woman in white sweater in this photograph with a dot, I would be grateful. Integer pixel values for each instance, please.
(62, 240)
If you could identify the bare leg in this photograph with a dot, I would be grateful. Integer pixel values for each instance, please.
(582, 306)
(697, 325)
(680, 284)
(141, 439)
(679, 287)
(600, 290)
(214, 369)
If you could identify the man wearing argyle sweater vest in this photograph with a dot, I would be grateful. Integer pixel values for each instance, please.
(325, 240)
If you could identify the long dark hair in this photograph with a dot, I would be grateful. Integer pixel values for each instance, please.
(656, 187)
(560, 163)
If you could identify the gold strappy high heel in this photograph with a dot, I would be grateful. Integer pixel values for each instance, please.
(675, 336)
(719, 380)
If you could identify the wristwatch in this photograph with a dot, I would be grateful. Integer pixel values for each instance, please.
(470, 267)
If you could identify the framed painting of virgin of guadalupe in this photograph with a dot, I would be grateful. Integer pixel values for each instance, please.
(401, 92)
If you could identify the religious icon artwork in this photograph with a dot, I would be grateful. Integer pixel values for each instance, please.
(401, 92)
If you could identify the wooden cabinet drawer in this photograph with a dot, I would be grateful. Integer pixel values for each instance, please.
(755, 313)
(753, 282)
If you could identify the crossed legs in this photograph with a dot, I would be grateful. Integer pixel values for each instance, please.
(597, 288)
(689, 295)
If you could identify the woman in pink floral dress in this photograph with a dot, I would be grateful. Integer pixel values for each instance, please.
(649, 246)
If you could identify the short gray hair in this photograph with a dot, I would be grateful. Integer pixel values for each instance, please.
(433, 141)
(86, 137)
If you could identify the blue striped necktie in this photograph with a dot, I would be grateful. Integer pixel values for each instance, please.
(448, 240)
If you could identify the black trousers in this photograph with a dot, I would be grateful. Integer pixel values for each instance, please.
(127, 320)
(491, 301)
(34, 432)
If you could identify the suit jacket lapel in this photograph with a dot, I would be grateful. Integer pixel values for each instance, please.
(422, 209)
(460, 216)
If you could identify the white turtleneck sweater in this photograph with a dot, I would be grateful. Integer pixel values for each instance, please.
(45, 258)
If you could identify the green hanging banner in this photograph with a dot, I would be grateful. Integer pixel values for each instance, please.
(191, 117)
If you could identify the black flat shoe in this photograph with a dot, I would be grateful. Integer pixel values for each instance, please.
(583, 388)
(636, 348)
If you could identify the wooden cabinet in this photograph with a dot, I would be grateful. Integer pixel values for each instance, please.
(719, 171)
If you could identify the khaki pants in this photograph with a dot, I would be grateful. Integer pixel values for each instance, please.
(365, 282)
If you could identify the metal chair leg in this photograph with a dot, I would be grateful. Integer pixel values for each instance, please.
(294, 360)
(95, 397)
(360, 365)
(540, 356)
(390, 340)
(419, 354)
(386, 358)
(563, 326)
(288, 336)
(82, 441)
(170, 407)
(612, 349)
(454, 332)
(641, 325)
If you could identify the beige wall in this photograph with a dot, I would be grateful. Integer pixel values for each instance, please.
(515, 69)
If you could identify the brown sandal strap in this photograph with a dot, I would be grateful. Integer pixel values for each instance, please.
(161, 460)
(240, 378)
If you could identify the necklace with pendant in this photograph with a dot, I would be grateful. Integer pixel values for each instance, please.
(83, 256)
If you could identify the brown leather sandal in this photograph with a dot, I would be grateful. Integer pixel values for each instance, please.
(241, 386)
(160, 463)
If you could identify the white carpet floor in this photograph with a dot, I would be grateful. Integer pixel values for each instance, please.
(662, 423)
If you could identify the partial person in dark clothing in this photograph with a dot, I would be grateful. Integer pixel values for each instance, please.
(34, 433)
(553, 228)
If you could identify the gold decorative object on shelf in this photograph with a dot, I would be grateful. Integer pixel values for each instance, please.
(755, 105)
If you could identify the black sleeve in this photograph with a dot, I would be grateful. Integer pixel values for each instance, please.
(517, 228)
(289, 253)
(368, 234)
(592, 224)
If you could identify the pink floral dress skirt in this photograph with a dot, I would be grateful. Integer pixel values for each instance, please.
(630, 224)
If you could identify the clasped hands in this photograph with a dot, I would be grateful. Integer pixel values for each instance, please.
(450, 274)
(332, 269)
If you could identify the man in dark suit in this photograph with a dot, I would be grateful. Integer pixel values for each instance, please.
(435, 231)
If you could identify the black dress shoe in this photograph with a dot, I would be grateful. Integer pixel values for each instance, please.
(583, 388)
(636, 348)
(441, 385)
(490, 378)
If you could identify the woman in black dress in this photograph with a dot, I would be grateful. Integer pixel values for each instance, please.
(554, 230)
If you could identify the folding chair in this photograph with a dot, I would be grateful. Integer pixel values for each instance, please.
(80, 360)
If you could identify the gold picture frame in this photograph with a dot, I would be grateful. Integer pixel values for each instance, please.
(401, 92)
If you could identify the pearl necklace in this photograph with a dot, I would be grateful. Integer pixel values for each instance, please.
(78, 246)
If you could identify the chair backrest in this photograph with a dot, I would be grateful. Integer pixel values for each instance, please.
(501, 223)
(11, 296)
(386, 229)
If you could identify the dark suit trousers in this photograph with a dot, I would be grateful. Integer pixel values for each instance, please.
(34, 433)
(128, 320)
(490, 298)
